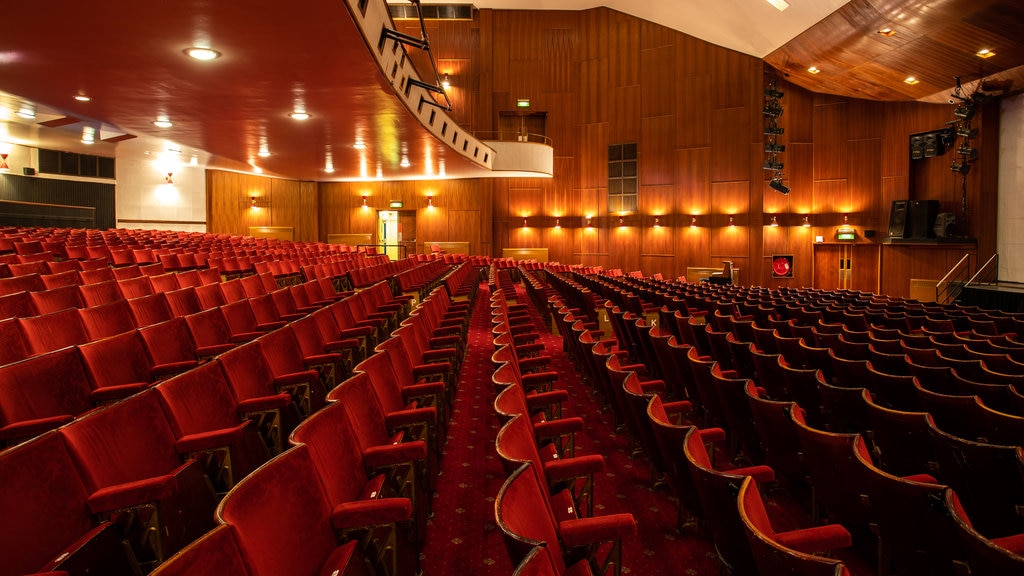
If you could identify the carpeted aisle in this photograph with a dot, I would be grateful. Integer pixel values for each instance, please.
(462, 537)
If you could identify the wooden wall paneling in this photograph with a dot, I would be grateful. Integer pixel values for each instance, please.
(830, 138)
(623, 246)
(558, 190)
(559, 50)
(657, 65)
(865, 120)
(730, 79)
(693, 56)
(730, 199)
(284, 201)
(831, 198)
(624, 50)
(692, 246)
(801, 246)
(693, 183)
(593, 155)
(624, 123)
(464, 226)
(524, 202)
(755, 200)
(692, 111)
(864, 181)
(656, 36)
(500, 56)
(899, 121)
(593, 25)
(897, 270)
(730, 157)
(893, 188)
(561, 123)
(657, 150)
(799, 176)
(797, 115)
(592, 92)
(658, 201)
(309, 216)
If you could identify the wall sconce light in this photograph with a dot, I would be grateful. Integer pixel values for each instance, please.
(430, 201)
(693, 221)
(558, 222)
(3, 162)
(252, 201)
(525, 224)
(620, 221)
(846, 218)
(775, 222)
(446, 83)
(807, 222)
(657, 222)
(365, 197)
(169, 179)
(730, 220)
(588, 221)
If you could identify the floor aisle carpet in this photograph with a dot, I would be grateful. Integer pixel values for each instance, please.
(462, 537)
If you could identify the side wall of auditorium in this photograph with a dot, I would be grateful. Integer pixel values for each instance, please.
(598, 78)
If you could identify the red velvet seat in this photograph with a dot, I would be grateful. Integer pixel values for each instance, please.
(210, 296)
(431, 383)
(42, 393)
(107, 319)
(184, 301)
(289, 368)
(209, 425)
(149, 310)
(252, 379)
(242, 321)
(525, 519)
(384, 444)
(119, 366)
(364, 507)
(164, 282)
(570, 480)
(791, 552)
(210, 330)
(282, 520)
(46, 524)
(778, 438)
(95, 275)
(126, 456)
(17, 305)
(134, 287)
(232, 290)
(13, 343)
(53, 331)
(981, 554)
(66, 278)
(100, 293)
(314, 343)
(26, 283)
(56, 299)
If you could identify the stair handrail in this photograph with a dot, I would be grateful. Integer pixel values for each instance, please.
(949, 287)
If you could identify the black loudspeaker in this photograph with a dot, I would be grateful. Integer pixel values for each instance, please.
(931, 145)
(921, 216)
(916, 147)
(869, 233)
(898, 219)
(28, 171)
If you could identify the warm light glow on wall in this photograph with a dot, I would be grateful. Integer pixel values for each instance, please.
(807, 222)
(558, 223)
(731, 223)
(589, 217)
(365, 205)
(775, 222)
(657, 222)
(525, 223)
(693, 221)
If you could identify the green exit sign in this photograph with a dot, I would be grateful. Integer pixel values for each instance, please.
(395, 204)
(846, 234)
(523, 103)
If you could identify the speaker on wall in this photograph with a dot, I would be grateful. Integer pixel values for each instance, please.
(898, 219)
(921, 216)
(916, 147)
(28, 171)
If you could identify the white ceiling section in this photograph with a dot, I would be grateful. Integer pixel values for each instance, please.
(753, 27)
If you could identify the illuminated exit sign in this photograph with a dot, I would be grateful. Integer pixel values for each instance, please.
(523, 103)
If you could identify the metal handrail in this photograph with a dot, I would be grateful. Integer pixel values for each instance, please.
(994, 261)
(403, 249)
(948, 288)
(513, 137)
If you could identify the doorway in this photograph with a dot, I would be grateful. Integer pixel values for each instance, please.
(396, 233)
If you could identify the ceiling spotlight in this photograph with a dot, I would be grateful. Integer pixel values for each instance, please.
(911, 80)
(359, 145)
(88, 135)
(405, 162)
(300, 115)
(204, 54)
(82, 98)
(984, 53)
(162, 122)
(777, 185)
(813, 70)
(779, 5)
(887, 31)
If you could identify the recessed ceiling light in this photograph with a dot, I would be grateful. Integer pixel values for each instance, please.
(300, 115)
(263, 153)
(27, 111)
(204, 54)
(82, 98)
(985, 53)
(162, 123)
(88, 135)
(780, 5)
(405, 162)
(911, 80)
(359, 145)
(813, 70)
(887, 31)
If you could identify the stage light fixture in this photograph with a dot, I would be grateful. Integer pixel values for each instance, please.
(774, 148)
(774, 130)
(773, 92)
(960, 167)
(964, 111)
(967, 132)
(773, 165)
(777, 185)
(968, 153)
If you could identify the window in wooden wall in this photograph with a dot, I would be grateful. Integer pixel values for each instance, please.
(622, 178)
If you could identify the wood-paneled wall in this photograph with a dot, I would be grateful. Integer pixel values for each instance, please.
(694, 109)
(278, 203)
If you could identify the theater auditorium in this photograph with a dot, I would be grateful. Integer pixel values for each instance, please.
(424, 288)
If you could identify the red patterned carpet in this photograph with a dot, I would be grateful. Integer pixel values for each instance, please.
(462, 537)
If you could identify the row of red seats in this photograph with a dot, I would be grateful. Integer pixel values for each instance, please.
(373, 449)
